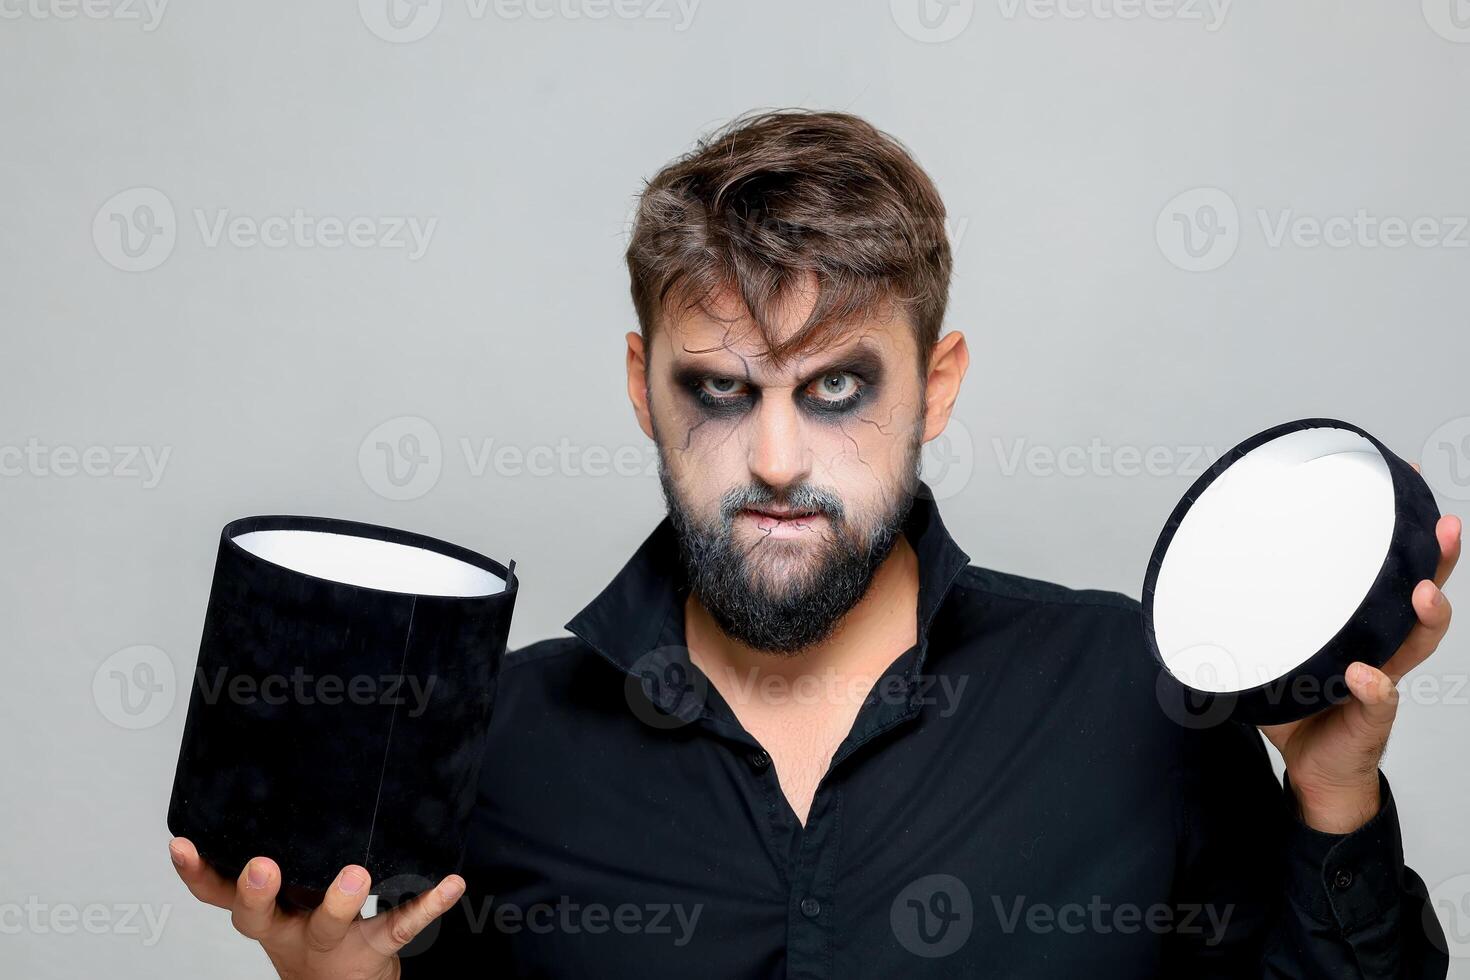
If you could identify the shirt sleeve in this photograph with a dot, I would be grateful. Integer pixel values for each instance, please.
(1294, 902)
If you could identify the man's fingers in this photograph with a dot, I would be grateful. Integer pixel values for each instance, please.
(254, 911)
(1377, 697)
(391, 931)
(330, 920)
(1448, 532)
(1434, 613)
(204, 883)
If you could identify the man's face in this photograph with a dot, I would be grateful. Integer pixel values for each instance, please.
(788, 484)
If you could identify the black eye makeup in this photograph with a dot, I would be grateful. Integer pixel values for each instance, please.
(830, 392)
(719, 395)
(839, 389)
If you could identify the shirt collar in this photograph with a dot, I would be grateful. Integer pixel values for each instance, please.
(642, 609)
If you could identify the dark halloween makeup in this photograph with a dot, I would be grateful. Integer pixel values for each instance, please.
(831, 392)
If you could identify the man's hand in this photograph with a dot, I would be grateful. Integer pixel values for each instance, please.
(1332, 757)
(328, 943)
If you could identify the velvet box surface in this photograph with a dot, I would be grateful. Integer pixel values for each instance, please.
(341, 700)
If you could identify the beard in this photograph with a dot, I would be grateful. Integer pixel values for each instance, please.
(803, 608)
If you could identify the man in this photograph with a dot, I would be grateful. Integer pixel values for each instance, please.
(800, 736)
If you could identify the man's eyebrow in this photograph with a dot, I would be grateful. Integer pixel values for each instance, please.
(862, 358)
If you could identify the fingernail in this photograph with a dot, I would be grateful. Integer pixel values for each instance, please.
(352, 881)
(256, 876)
(451, 890)
(176, 853)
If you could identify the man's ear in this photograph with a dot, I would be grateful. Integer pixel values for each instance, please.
(638, 381)
(947, 367)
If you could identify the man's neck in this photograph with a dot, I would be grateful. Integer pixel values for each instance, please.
(871, 636)
(800, 708)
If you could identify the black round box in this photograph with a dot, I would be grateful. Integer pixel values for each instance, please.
(333, 722)
(1375, 619)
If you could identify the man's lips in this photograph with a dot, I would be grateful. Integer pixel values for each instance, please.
(776, 520)
(782, 513)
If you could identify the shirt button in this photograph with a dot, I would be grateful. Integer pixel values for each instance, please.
(759, 760)
(1342, 880)
(811, 908)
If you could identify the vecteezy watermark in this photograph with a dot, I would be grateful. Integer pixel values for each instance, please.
(1205, 681)
(1183, 690)
(755, 686)
(1210, 14)
(1450, 19)
(135, 688)
(1098, 458)
(937, 21)
(932, 917)
(404, 457)
(302, 687)
(565, 458)
(300, 229)
(401, 459)
(137, 229)
(37, 917)
(406, 21)
(146, 13)
(674, 920)
(1362, 229)
(932, 21)
(947, 462)
(1100, 917)
(1201, 229)
(1444, 459)
(665, 690)
(1447, 916)
(1424, 687)
(1193, 671)
(36, 459)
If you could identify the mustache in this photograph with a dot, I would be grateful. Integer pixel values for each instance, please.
(802, 497)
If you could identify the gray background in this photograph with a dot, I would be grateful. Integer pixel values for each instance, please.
(1061, 138)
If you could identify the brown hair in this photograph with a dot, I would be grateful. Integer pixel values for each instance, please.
(772, 198)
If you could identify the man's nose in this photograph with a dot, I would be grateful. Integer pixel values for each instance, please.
(779, 455)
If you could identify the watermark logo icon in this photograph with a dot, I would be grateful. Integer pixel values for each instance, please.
(135, 230)
(1193, 670)
(1445, 459)
(1449, 903)
(402, 458)
(664, 690)
(1450, 19)
(401, 21)
(933, 916)
(136, 687)
(1199, 230)
(932, 21)
(947, 462)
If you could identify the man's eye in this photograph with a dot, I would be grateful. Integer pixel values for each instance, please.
(722, 388)
(838, 386)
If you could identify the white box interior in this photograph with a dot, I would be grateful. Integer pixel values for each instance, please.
(1272, 559)
(371, 563)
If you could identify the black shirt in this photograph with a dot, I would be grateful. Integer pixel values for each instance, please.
(1015, 799)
